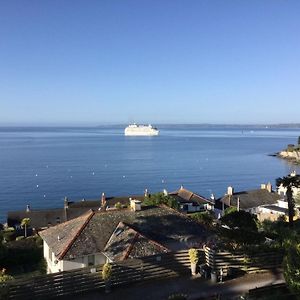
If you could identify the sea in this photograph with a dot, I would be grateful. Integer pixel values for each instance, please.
(40, 166)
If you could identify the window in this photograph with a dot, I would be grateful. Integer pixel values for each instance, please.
(91, 260)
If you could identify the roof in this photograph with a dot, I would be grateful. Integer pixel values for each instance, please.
(276, 208)
(41, 218)
(167, 227)
(183, 195)
(249, 199)
(63, 235)
(126, 242)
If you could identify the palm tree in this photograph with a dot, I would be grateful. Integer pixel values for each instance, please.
(25, 222)
(289, 182)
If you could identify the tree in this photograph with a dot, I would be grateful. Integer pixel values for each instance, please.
(25, 222)
(161, 198)
(239, 228)
(289, 182)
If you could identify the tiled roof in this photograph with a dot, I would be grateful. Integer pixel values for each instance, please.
(61, 237)
(163, 225)
(184, 195)
(249, 199)
(41, 218)
(126, 242)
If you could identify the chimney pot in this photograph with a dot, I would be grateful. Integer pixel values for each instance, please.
(27, 208)
(66, 203)
(146, 193)
(230, 191)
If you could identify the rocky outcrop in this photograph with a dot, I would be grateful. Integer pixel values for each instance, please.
(290, 155)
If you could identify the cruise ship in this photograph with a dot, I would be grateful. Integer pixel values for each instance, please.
(144, 130)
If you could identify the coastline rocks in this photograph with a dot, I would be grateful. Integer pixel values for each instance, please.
(290, 155)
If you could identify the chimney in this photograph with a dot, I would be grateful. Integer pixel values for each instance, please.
(66, 203)
(135, 205)
(230, 191)
(103, 200)
(269, 187)
(293, 174)
(27, 208)
(263, 186)
(165, 192)
(181, 187)
(212, 197)
(146, 194)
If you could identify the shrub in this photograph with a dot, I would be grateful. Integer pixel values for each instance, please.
(193, 255)
(18, 238)
(118, 205)
(204, 218)
(106, 271)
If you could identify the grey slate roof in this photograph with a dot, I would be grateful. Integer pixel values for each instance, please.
(183, 195)
(42, 218)
(160, 224)
(249, 199)
(126, 242)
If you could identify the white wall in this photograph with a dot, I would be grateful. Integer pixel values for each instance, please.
(54, 265)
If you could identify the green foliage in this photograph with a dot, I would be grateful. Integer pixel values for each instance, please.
(204, 218)
(230, 210)
(4, 277)
(160, 198)
(106, 272)
(289, 182)
(239, 228)
(118, 205)
(194, 255)
(25, 223)
(292, 268)
(22, 256)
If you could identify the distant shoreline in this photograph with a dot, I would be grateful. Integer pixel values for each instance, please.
(162, 125)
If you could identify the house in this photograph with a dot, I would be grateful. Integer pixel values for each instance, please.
(109, 235)
(190, 202)
(43, 218)
(247, 200)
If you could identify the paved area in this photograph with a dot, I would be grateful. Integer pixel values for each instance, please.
(195, 288)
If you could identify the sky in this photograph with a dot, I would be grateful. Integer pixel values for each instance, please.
(78, 62)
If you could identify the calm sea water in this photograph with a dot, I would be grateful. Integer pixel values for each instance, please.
(40, 166)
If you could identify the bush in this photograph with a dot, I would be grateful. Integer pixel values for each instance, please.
(18, 238)
(291, 268)
(118, 205)
(204, 218)
(193, 255)
(106, 271)
(161, 198)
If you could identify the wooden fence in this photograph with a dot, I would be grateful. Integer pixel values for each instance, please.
(217, 260)
(88, 279)
(131, 271)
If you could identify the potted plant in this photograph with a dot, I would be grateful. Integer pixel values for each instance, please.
(194, 258)
(106, 276)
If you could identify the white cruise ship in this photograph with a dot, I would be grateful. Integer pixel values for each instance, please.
(144, 130)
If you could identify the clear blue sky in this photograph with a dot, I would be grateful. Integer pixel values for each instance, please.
(96, 61)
